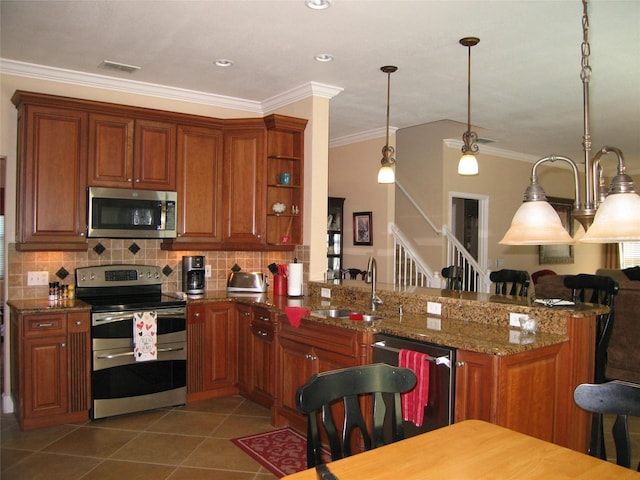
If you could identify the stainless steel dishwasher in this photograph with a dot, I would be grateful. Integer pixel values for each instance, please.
(439, 411)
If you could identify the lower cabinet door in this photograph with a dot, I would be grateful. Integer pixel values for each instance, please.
(46, 387)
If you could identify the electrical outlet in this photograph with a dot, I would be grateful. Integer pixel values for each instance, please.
(325, 293)
(207, 271)
(434, 307)
(37, 278)
(514, 319)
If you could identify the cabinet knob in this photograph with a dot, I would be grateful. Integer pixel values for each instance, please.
(78, 323)
(129, 179)
(137, 180)
(82, 234)
(63, 345)
(197, 314)
(460, 364)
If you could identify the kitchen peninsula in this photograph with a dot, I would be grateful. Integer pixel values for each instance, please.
(524, 382)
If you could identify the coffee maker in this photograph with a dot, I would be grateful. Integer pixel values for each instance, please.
(193, 280)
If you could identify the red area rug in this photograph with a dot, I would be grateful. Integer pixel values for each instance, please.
(282, 451)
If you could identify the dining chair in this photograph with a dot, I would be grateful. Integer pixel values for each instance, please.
(453, 275)
(619, 398)
(361, 391)
(510, 282)
(541, 273)
(601, 290)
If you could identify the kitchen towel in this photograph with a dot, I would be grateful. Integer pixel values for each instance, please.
(414, 401)
(295, 314)
(145, 336)
(294, 280)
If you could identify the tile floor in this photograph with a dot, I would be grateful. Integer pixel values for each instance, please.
(181, 443)
(190, 442)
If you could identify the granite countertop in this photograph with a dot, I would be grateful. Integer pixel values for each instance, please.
(473, 322)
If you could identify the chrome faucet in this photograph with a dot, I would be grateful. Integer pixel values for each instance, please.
(371, 276)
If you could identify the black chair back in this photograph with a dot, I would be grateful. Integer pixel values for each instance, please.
(510, 282)
(316, 397)
(619, 398)
(453, 275)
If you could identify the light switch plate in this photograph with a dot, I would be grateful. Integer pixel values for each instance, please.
(434, 307)
(37, 278)
(514, 319)
(325, 293)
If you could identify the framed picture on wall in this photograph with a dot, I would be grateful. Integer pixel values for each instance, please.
(559, 253)
(362, 228)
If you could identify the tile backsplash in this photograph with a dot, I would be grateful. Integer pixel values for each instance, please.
(140, 252)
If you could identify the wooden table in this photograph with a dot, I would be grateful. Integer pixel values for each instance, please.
(472, 449)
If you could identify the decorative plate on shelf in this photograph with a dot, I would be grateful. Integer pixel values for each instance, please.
(279, 207)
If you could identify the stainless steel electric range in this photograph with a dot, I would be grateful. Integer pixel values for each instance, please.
(121, 382)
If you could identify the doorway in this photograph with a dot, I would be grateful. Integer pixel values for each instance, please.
(469, 224)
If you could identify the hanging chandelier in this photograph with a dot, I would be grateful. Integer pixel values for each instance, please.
(386, 173)
(468, 164)
(607, 218)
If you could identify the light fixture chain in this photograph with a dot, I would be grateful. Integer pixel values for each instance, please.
(585, 72)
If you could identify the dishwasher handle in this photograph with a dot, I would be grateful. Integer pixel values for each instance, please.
(442, 360)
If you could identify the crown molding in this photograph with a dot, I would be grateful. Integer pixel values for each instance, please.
(496, 152)
(361, 137)
(41, 72)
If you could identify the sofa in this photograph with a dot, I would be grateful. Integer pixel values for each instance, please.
(623, 354)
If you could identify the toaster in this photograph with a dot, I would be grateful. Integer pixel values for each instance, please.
(247, 282)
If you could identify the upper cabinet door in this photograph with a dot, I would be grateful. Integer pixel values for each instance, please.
(244, 184)
(52, 151)
(199, 185)
(154, 163)
(110, 151)
(129, 153)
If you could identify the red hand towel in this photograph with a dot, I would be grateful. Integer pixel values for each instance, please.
(414, 401)
(295, 314)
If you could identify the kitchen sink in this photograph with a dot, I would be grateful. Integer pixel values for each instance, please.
(371, 318)
(333, 312)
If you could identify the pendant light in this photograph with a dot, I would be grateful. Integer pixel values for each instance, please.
(468, 164)
(386, 173)
(610, 219)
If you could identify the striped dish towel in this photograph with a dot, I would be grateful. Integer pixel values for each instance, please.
(414, 401)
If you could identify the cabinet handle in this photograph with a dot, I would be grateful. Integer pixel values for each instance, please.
(308, 356)
(460, 364)
(42, 325)
(262, 333)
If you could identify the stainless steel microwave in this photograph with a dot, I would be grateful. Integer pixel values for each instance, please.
(129, 213)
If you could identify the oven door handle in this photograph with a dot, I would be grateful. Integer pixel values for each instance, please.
(118, 317)
(109, 356)
(442, 360)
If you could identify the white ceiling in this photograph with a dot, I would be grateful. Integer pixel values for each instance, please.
(526, 93)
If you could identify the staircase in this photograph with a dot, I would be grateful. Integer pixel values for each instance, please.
(411, 270)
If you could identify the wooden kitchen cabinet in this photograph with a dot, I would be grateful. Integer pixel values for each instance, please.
(125, 152)
(211, 355)
(257, 340)
(285, 154)
(51, 177)
(244, 183)
(50, 367)
(199, 187)
(513, 391)
(310, 349)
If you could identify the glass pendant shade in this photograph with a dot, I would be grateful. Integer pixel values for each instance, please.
(536, 223)
(617, 220)
(386, 174)
(468, 165)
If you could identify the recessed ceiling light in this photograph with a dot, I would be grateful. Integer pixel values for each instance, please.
(324, 57)
(317, 4)
(120, 67)
(223, 62)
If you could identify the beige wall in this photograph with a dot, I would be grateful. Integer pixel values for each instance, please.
(353, 174)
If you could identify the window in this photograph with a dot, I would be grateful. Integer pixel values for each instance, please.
(629, 254)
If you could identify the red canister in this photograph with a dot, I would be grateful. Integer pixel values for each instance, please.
(279, 285)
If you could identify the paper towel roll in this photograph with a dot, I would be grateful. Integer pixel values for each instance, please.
(294, 280)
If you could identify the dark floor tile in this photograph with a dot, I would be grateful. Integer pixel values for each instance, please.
(48, 466)
(160, 448)
(92, 442)
(121, 470)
